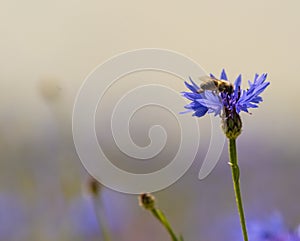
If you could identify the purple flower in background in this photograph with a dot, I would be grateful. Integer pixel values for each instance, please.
(84, 222)
(88, 215)
(13, 218)
(272, 229)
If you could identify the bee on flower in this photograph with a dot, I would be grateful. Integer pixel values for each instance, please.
(225, 99)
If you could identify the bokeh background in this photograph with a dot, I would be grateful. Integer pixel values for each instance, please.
(49, 47)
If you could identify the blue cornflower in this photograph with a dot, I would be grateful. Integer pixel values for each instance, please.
(226, 102)
(212, 102)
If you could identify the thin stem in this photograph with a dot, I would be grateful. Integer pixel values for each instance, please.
(236, 184)
(163, 220)
(147, 201)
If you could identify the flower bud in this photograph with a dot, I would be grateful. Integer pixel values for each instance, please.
(231, 124)
(147, 201)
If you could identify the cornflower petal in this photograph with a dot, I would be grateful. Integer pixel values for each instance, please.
(250, 98)
(223, 75)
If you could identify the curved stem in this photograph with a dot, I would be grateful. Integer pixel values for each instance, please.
(236, 184)
(162, 218)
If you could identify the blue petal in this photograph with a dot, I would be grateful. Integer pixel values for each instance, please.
(223, 75)
(194, 84)
(200, 112)
(194, 105)
(238, 81)
(257, 99)
(250, 98)
(260, 80)
(184, 112)
(212, 102)
(191, 96)
(191, 87)
(209, 104)
(212, 76)
(261, 88)
(237, 85)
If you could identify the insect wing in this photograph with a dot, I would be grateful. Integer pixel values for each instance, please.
(208, 83)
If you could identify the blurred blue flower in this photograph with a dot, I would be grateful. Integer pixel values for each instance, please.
(272, 229)
(13, 218)
(87, 212)
(84, 222)
(216, 101)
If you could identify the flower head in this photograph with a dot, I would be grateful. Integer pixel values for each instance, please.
(227, 102)
(214, 101)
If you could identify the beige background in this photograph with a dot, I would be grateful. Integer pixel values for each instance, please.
(48, 48)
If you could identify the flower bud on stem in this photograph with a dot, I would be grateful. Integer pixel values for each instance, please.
(147, 201)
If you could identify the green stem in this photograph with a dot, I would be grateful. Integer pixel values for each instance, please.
(236, 184)
(163, 220)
